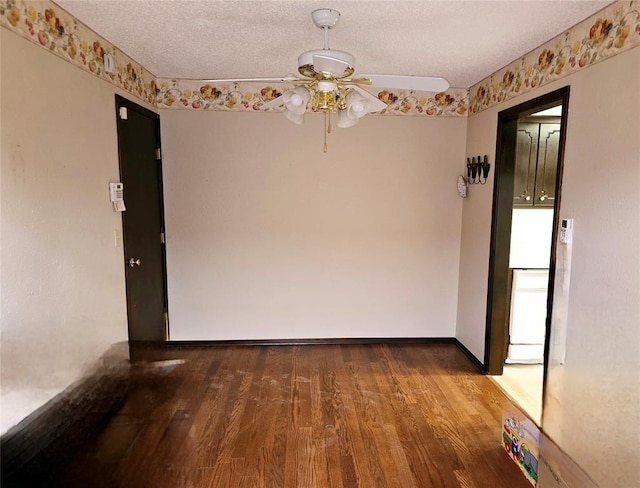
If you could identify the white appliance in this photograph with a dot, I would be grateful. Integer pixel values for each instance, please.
(528, 316)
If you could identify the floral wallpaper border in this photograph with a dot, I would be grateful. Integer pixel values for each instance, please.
(49, 26)
(611, 31)
(248, 96)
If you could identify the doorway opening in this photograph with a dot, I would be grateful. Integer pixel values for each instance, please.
(526, 199)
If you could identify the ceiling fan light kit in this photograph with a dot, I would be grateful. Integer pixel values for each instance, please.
(344, 120)
(296, 100)
(293, 117)
(327, 83)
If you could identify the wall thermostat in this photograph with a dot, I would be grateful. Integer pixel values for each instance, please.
(116, 194)
(566, 231)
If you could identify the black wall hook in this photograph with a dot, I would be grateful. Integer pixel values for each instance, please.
(478, 170)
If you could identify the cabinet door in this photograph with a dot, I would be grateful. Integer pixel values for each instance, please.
(525, 168)
(545, 181)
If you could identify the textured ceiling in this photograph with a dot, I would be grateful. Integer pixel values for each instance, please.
(463, 41)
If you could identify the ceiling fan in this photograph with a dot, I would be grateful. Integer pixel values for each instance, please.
(327, 83)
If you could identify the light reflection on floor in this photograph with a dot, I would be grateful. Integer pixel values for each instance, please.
(523, 383)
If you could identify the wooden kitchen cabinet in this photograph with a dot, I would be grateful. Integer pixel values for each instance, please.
(536, 162)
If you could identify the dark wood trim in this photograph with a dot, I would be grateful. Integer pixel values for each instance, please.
(303, 342)
(497, 300)
(131, 105)
(477, 363)
(497, 313)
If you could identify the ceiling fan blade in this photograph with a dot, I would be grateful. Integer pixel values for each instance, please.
(284, 79)
(376, 103)
(329, 64)
(276, 102)
(421, 83)
(359, 81)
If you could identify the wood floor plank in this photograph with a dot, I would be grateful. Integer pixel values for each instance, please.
(398, 472)
(268, 442)
(357, 422)
(299, 416)
(221, 475)
(222, 393)
(236, 432)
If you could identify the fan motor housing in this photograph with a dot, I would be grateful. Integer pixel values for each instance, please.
(305, 62)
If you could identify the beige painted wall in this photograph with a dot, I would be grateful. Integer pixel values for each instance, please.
(591, 407)
(63, 291)
(363, 241)
(475, 239)
(270, 238)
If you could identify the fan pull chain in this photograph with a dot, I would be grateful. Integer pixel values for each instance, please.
(329, 125)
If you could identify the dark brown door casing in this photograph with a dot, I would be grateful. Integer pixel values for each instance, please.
(504, 191)
(143, 221)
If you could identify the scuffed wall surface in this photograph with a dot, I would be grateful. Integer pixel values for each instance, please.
(591, 406)
(63, 295)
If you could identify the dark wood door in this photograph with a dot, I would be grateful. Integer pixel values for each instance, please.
(143, 221)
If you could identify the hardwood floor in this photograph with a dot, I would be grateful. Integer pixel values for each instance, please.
(377, 415)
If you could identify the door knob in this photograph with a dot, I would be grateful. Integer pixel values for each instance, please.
(134, 262)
